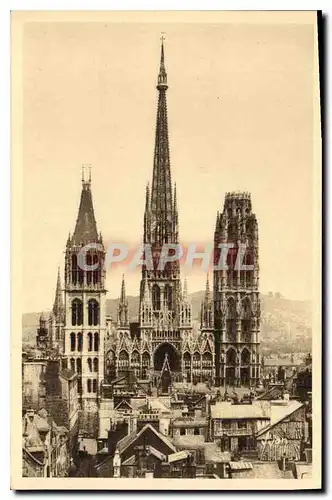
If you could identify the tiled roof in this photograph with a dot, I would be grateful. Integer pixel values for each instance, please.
(240, 465)
(190, 422)
(189, 442)
(282, 362)
(131, 438)
(226, 410)
(179, 455)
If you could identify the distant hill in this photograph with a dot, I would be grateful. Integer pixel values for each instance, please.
(285, 324)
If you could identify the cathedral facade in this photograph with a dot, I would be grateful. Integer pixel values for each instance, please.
(164, 340)
(162, 344)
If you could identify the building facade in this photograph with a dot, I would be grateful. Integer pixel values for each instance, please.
(164, 334)
(236, 293)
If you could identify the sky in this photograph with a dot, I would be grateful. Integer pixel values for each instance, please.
(240, 110)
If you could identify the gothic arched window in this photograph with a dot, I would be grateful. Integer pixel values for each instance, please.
(72, 341)
(89, 273)
(79, 341)
(89, 361)
(89, 341)
(74, 269)
(72, 364)
(89, 385)
(135, 358)
(123, 360)
(94, 386)
(96, 272)
(96, 341)
(79, 365)
(93, 312)
(77, 312)
(95, 365)
(169, 297)
(196, 360)
(156, 297)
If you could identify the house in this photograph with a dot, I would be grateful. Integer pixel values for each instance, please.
(61, 399)
(286, 434)
(140, 453)
(189, 426)
(45, 447)
(235, 426)
(33, 381)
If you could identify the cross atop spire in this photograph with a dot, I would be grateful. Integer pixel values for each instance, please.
(162, 77)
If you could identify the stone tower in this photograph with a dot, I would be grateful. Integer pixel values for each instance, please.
(85, 323)
(236, 294)
(165, 315)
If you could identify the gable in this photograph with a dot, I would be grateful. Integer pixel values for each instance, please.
(148, 436)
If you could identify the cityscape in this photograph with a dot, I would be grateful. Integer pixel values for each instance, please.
(155, 395)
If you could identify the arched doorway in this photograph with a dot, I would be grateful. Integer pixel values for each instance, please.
(172, 357)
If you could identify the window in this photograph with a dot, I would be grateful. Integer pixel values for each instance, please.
(77, 312)
(89, 273)
(168, 294)
(89, 385)
(196, 431)
(96, 272)
(95, 365)
(72, 364)
(74, 269)
(226, 424)
(72, 341)
(93, 312)
(242, 424)
(182, 431)
(94, 386)
(156, 297)
(89, 361)
(96, 341)
(89, 341)
(79, 386)
(79, 365)
(79, 341)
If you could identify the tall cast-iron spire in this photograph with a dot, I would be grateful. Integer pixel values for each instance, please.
(161, 198)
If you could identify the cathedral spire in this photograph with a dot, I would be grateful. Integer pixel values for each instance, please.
(86, 227)
(123, 298)
(185, 290)
(207, 290)
(161, 204)
(123, 317)
(58, 306)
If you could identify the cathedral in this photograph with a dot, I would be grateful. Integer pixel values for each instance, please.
(164, 341)
(162, 347)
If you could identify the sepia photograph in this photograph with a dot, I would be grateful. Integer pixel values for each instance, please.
(166, 250)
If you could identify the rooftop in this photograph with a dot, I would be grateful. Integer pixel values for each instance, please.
(256, 410)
